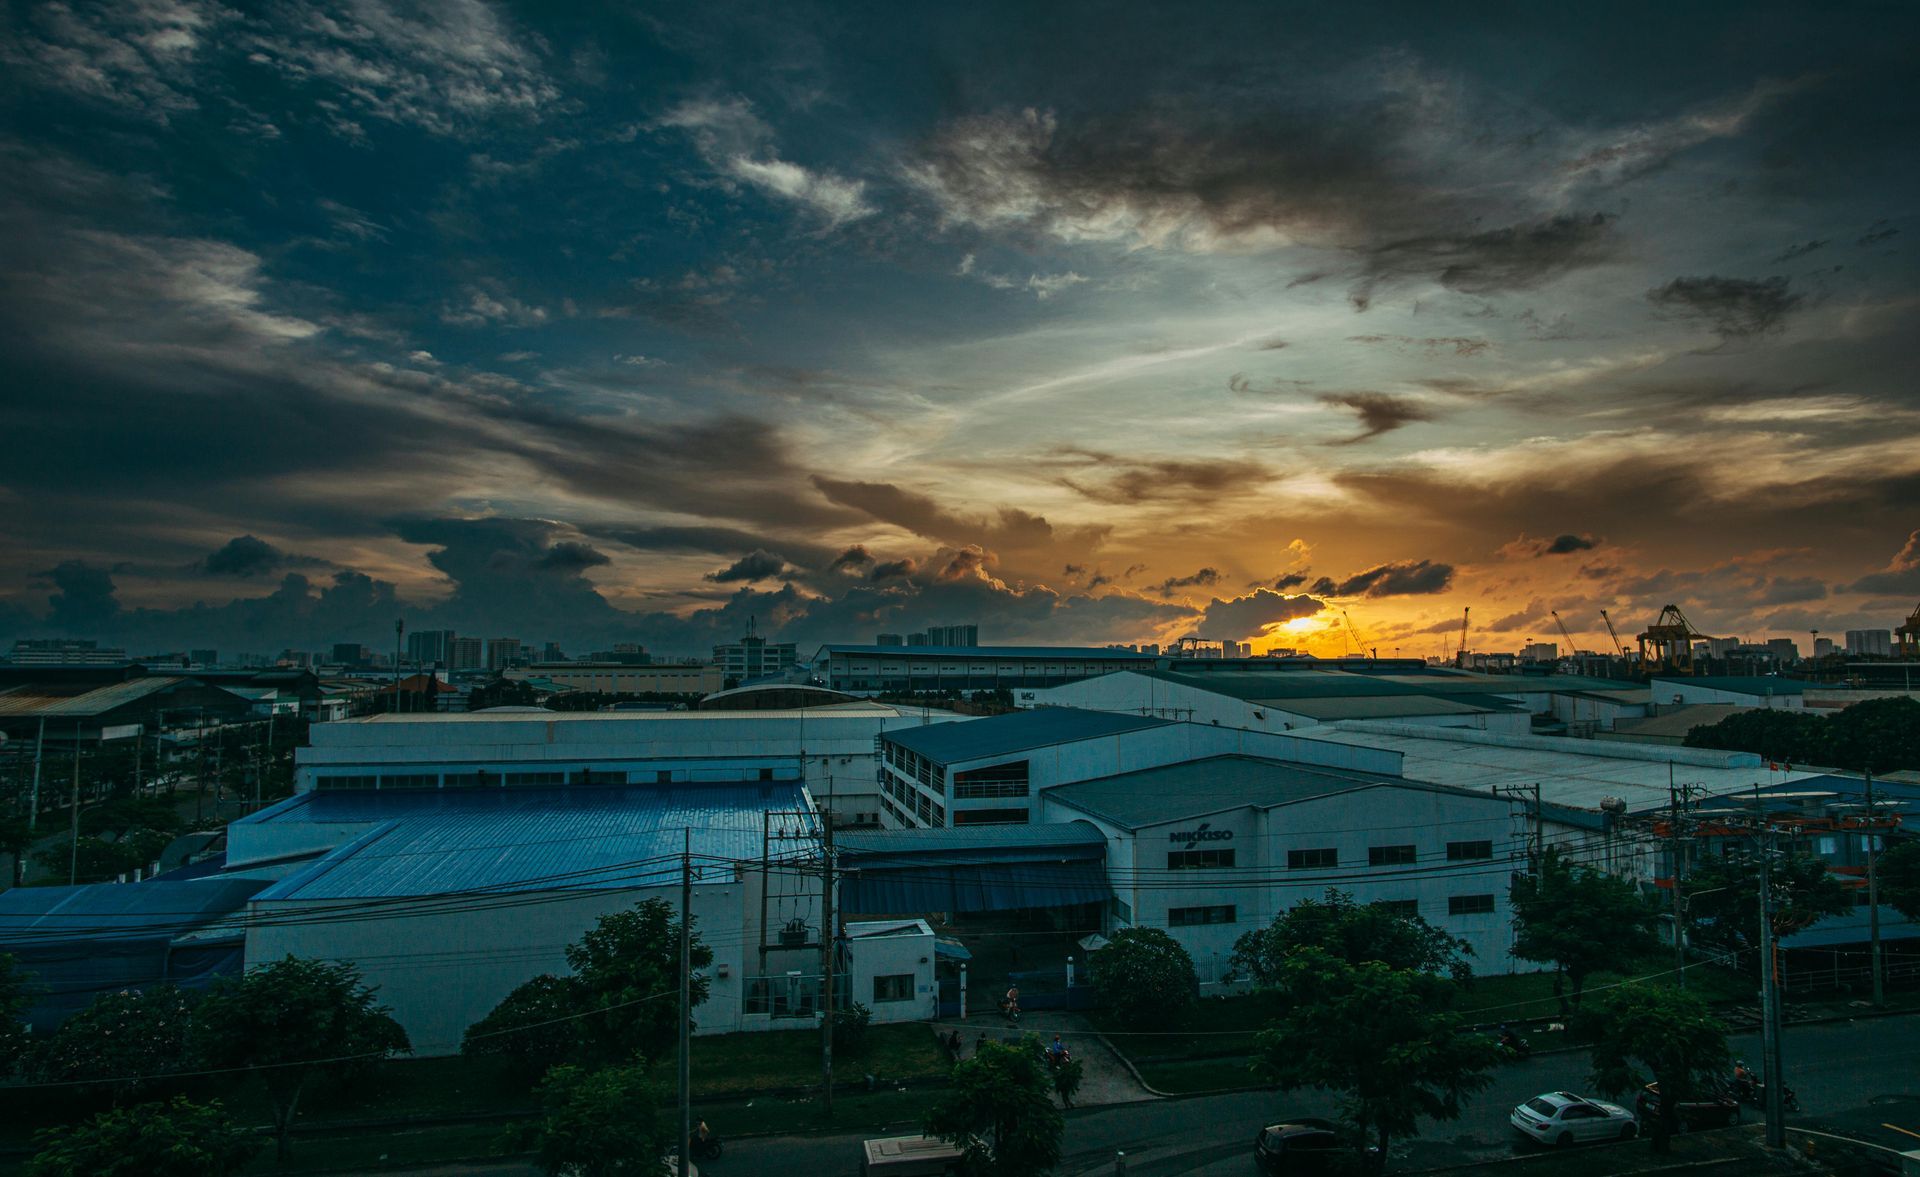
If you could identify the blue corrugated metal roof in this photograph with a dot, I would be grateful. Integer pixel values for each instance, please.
(1196, 788)
(945, 743)
(117, 911)
(1064, 653)
(1853, 927)
(447, 841)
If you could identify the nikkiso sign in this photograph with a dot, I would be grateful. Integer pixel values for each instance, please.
(1204, 832)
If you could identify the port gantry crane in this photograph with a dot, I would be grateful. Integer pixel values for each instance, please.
(1906, 639)
(1670, 639)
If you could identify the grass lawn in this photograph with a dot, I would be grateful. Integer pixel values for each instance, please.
(731, 1064)
(1518, 997)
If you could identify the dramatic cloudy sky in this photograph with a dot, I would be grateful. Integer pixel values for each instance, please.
(1086, 324)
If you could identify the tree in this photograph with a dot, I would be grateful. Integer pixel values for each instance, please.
(1879, 735)
(122, 1041)
(501, 691)
(1723, 898)
(850, 1027)
(1067, 1077)
(1353, 932)
(1145, 976)
(1899, 877)
(612, 1009)
(1385, 1039)
(177, 1139)
(537, 1025)
(1668, 1034)
(600, 1123)
(1578, 919)
(1787, 736)
(999, 1112)
(294, 1019)
(14, 1000)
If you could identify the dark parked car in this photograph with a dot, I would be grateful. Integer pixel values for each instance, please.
(1306, 1147)
(1707, 1109)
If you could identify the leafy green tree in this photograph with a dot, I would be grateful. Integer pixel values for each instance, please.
(1879, 735)
(1386, 1040)
(624, 966)
(614, 1008)
(1792, 736)
(1899, 877)
(176, 1139)
(600, 1123)
(1145, 976)
(537, 1025)
(1579, 919)
(15, 997)
(501, 691)
(293, 1019)
(999, 1112)
(1668, 1035)
(123, 1041)
(1723, 898)
(1353, 932)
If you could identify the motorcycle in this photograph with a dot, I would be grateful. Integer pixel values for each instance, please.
(708, 1149)
(1753, 1093)
(1514, 1048)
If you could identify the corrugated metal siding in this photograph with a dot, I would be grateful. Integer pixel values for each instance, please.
(945, 743)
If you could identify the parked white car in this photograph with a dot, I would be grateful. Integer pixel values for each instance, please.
(1561, 1117)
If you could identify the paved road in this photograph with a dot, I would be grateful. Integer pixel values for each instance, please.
(1834, 1067)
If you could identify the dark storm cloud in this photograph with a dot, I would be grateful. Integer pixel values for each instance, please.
(1536, 611)
(571, 556)
(1901, 576)
(852, 559)
(755, 565)
(1517, 257)
(83, 596)
(1289, 580)
(1007, 528)
(1732, 308)
(248, 555)
(893, 570)
(1139, 482)
(1405, 578)
(1204, 578)
(1249, 616)
(1877, 232)
(1378, 412)
(1801, 250)
(1564, 544)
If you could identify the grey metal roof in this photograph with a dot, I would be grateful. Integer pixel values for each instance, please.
(449, 841)
(1046, 834)
(984, 653)
(33, 701)
(1742, 684)
(1261, 686)
(1389, 706)
(1198, 787)
(946, 743)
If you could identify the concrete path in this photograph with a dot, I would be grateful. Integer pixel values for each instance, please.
(1106, 1079)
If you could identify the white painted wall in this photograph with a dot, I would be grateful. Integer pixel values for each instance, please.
(884, 948)
(1670, 690)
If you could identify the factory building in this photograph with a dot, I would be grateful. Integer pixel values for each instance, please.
(1765, 690)
(447, 899)
(829, 750)
(872, 670)
(622, 678)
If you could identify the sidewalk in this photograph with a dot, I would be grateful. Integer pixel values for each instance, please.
(1107, 1080)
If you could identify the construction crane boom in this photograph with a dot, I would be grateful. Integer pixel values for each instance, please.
(1614, 634)
(1460, 655)
(1563, 632)
(1357, 639)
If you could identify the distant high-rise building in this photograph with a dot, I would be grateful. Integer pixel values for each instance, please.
(952, 635)
(890, 639)
(918, 639)
(503, 652)
(1870, 643)
(65, 652)
(294, 659)
(430, 647)
(1784, 649)
(1540, 652)
(753, 656)
(351, 654)
(623, 654)
(551, 652)
(465, 653)
(204, 658)
(1822, 647)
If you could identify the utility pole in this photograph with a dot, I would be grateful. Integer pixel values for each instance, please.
(1674, 851)
(1873, 894)
(73, 855)
(686, 1004)
(1770, 1006)
(826, 956)
(399, 627)
(39, 750)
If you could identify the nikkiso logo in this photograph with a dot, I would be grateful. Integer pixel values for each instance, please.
(1203, 833)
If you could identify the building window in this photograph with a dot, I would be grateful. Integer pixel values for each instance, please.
(997, 780)
(988, 817)
(766, 774)
(1390, 856)
(1189, 917)
(1459, 851)
(1469, 904)
(1318, 859)
(895, 988)
(414, 781)
(1120, 910)
(533, 779)
(346, 782)
(1208, 859)
(1400, 907)
(663, 776)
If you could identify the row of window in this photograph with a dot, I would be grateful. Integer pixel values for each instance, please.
(989, 817)
(1209, 859)
(1190, 917)
(913, 801)
(476, 780)
(1325, 857)
(998, 780)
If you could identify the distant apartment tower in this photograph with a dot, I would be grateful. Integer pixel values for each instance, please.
(952, 635)
(1540, 652)
(889, 639)
(753, 656)
(623, 653)
(503, 652)
(297, 659)
(350, 654)
(205, 659)
(1822, 647)
(65, 652)
(430, 647)
(917, 639)
(1870, 643)
(465, 653)
(551, 652)
(1785, 650)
